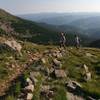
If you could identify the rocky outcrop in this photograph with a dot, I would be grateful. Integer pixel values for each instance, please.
(14, 45)
(57, 63)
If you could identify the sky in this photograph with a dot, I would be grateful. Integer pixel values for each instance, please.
(39, 6)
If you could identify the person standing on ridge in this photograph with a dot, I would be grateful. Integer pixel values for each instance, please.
(77, 41)
(62, 40)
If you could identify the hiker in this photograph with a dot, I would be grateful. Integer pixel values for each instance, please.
(77, 41)
(62, 40)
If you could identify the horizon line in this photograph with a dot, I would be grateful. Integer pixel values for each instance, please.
(56, 12)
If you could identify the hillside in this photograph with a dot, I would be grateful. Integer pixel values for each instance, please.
(52, 69)
(23, 29)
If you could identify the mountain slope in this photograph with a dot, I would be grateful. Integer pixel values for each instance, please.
(24, 29)
(40, 62)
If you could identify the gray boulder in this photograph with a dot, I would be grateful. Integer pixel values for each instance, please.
(57, 63)
(29, 96)
(60, 73)
(73, 85)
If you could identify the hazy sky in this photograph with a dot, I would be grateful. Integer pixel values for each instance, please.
(35, 6)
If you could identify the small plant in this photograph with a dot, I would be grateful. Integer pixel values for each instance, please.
(60, 94)
(17, 88)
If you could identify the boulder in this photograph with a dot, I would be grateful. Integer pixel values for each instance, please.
(35, 73)
(46, 52)
(73, 85)
(45, 88)
(13, 66)
(29, 96)
(45, 91)
(59, 55)
(86, 68)
(28, 80)
(60, 73)
(34, 80)
(89, 55)
(57, 63)
(77, 84)
(33, 76)
(43, 60)
(88, 76)
(29, 88)
(14, 45)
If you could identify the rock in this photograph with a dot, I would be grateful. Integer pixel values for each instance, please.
(88, 76)
(90, 98)
(35, 58)
(14, 45)
(60, 73)
(13, 66)
(10, 58)
(21, 96)
(54, 54)
(46, 52)
(33, 76)
(86, 68)
(57, 63)
(35, 73)
(45, 88)
(77, 84)
(29, 88)
(30, 61)
(89, 55)
(50, 94)
(28, 80)
(34, 80)
(45, 91)
(70, 85)
(50, 55)
(29, 96)
(51, 70)
(43, 60)
(59, 55)
(87, 73)
(73, 85)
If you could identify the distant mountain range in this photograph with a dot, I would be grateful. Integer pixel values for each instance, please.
(86, 23)
(58, 18)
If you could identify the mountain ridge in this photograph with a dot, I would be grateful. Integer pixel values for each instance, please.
(83, 21)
